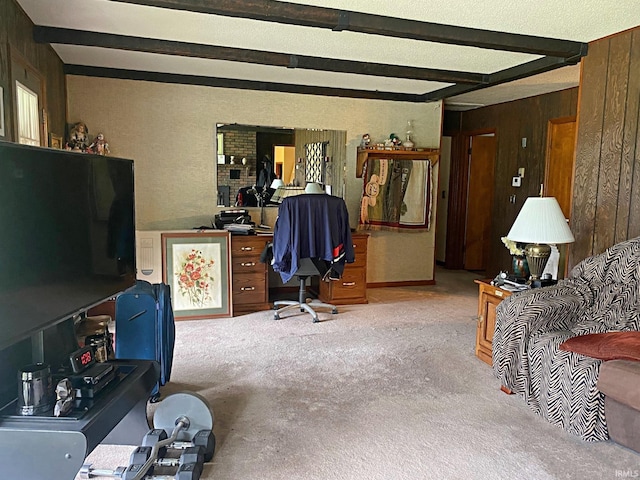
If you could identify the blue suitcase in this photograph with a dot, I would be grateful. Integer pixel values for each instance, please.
(145, 327)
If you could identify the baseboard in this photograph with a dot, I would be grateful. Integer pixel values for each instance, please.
(408, 283)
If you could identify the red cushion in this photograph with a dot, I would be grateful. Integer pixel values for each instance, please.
(606, 346)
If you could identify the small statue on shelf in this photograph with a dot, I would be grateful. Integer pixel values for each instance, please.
(99, 145)
(78, 138)
(366, 140)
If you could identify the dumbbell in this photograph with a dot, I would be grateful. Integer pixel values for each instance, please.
(202, 438)
(190, 454)
(186, 471)
(185, 415)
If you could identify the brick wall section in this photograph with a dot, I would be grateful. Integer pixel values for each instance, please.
(240, 144)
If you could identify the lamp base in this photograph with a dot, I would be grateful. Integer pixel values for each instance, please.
(537, 257)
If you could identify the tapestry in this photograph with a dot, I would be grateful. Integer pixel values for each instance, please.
(397, 194)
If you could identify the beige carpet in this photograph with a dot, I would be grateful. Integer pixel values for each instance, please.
(388, 390)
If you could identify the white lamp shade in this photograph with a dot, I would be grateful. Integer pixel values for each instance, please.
(541, 221)
(276, 183)
(313, 188)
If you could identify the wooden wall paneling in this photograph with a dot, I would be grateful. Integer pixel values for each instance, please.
(512, 121)
(611, 149)
(628, 194)
(458, 178)
(16, 30)
(634, 154)
(590, 116)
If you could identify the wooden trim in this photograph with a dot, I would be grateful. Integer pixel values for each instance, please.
(406, 283)
(431, 154)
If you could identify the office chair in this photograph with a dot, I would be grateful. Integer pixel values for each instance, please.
(307, 269)
(311, 237)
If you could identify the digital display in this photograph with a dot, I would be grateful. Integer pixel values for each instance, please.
(82, 358)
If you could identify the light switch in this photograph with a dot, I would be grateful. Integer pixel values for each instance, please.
(515, 181)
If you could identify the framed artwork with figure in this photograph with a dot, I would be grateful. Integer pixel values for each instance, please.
(197, 267)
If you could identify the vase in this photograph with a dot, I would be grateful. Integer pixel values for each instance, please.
(520, 266)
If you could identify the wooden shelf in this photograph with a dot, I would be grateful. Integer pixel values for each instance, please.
(431, 154)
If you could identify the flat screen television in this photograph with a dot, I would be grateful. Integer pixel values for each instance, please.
(67, 229)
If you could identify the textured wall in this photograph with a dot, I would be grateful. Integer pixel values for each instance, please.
(169, 131)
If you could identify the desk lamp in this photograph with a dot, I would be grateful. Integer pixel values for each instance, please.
(539, 223)
(266, 195)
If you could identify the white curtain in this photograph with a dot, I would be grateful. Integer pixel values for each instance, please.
(28, 119)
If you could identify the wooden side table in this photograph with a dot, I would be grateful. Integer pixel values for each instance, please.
(488, 299)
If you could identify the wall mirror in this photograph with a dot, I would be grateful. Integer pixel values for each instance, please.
(250, 157)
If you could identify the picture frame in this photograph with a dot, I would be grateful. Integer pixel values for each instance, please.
(55, 141)
(197, 267)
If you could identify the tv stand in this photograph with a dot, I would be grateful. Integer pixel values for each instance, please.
(55, 447)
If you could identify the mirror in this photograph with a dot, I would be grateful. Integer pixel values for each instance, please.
(250, 157)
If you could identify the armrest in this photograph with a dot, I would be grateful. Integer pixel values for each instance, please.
(526, 313)
(557, 307)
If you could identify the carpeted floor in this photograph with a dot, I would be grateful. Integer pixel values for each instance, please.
(388, 390)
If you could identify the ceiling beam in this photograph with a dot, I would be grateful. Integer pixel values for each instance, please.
(181, 79)
(66, 36)
(334, 19)
(524, 70)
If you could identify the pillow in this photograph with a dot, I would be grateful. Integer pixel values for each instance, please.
(606, 346)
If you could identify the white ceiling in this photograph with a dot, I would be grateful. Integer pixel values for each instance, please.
(576, 20)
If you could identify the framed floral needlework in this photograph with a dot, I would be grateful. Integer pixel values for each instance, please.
(197, 265)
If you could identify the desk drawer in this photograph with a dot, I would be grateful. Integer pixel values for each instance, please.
(360, 250)
(243, 246)
(248, 264)
(352, 285)
(249, 288)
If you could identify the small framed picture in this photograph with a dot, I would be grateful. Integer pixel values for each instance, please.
(55, 141)
(197, 267)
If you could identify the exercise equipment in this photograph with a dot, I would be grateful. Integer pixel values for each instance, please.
(182, 422)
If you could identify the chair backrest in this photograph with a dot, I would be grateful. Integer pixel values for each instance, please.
(311, 226)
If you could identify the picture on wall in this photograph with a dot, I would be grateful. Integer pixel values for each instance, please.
(196, 265)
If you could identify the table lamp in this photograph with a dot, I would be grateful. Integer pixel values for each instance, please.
(539, 223)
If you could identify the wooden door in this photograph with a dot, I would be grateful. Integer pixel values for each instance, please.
(558, 176)
(479, 201)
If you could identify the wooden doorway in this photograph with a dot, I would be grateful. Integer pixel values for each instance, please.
(482, 153)
(558, 172)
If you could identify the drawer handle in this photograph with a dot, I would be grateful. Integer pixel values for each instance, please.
(348, 284)
(248, 289)
(248, 264)
(246, 249)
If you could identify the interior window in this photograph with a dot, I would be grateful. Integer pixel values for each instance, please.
(28, 119)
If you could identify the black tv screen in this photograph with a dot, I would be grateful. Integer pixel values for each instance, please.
(67, 235)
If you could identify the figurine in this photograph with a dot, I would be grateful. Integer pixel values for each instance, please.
(78, 138)
(99, 145)
(366, 140)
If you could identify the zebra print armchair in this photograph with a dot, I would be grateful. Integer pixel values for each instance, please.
(601, 294)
